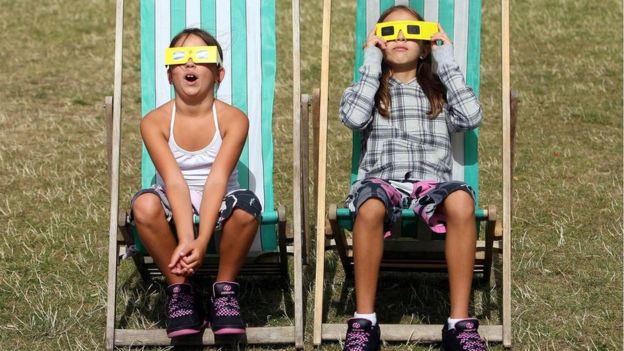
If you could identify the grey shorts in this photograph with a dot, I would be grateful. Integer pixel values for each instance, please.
(423, 197)
(243, 199)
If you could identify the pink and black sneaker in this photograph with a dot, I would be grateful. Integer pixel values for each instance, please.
(225, 315)
(464, 337)
(184, 316)
(362, 335)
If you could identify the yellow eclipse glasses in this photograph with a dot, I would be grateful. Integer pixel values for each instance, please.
(418, 30)
(199, 54)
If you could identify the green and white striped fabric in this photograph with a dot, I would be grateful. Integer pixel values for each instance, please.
(246, 32)
(461, 19)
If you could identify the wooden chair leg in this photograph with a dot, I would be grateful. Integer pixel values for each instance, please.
(506, 317)
(316, 116)
(300, 179)
(115, 138)
(513, 115)
(507, 169)
(108, 118)
(490, 226)
(305, 176)
(341, 240)
(281, 235)
(320, 138)
(283, 253)
(319, 288)
(112, 296)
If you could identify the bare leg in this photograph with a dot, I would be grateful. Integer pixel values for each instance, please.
(367, 252)
(238, 233)
(156, 234)
(460, 247)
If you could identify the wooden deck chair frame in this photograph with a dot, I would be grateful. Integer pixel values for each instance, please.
(338, 217)
(120, 237)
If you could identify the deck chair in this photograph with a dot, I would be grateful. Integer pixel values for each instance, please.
(246, 32)
(413, 246)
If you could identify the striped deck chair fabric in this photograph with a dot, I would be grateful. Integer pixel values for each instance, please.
(246, 32)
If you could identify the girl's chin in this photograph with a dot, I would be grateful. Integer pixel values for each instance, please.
(191, 89)
(194, 93)
(402, 62)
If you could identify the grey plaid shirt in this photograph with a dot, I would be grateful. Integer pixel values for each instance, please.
(409, 145)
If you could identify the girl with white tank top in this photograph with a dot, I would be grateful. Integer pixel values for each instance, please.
(203, 182)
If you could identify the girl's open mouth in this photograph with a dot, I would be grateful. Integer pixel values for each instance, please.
(190, 77)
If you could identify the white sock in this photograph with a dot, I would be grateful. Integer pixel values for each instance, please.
(370, 316)
(451, 322)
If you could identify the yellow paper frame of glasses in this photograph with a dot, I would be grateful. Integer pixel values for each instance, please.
(199, 54)
(414, 30)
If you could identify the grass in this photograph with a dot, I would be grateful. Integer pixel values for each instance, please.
(567, 233)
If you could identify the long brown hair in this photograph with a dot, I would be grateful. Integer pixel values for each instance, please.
(430, 83)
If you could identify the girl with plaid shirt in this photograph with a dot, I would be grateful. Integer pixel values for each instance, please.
(410, 98)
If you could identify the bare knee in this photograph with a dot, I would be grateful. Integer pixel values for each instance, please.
(459, 206)
(372, 212)
(243, 219)
(146, 208)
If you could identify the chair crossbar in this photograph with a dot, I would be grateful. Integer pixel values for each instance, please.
(158, 337)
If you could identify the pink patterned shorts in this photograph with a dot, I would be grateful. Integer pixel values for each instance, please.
(423, 197)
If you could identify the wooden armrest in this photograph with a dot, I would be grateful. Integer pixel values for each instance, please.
(492, 219)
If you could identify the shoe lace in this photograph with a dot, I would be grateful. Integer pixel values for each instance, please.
(357, 340)
(471, 341)
(227, 306)
(181, 304)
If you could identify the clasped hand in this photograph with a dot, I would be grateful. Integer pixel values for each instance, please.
(187, 257)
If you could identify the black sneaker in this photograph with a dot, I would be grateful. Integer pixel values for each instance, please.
(464, 337)
(362, 335)
(225, 315)
(184, 316)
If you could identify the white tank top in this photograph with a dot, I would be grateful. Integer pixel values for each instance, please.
(196, 165)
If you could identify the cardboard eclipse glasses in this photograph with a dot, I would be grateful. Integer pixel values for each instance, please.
(418, 30)
(199, 54)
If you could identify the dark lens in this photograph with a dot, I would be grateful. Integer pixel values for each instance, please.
(413, 29)
(387, 31)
